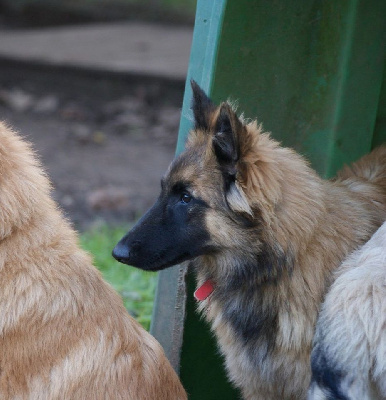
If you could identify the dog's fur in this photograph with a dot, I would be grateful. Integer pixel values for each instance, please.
(64, 332)
(349, 354)
(257, 221)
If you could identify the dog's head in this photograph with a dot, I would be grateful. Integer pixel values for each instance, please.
(214, 196)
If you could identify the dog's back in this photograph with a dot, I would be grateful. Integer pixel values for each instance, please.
(367, 177)
(64, 332)
(349, 355)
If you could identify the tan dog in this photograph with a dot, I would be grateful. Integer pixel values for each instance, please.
(64, 332)
(349, 354)
(263, 234)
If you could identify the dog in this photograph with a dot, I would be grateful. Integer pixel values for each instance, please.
(263, 233)
(64, 332)
(349, 355)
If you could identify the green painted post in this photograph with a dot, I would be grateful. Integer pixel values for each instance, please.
(203, 56)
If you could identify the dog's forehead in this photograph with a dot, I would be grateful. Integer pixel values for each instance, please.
(189, 167)
(184, 168)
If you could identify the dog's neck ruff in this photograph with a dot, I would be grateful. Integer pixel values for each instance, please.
(204, 291)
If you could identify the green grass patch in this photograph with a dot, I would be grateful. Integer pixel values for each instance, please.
(136, 287)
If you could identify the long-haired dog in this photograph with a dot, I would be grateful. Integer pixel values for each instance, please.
(349, 354)
(64, 332)
(263, 233)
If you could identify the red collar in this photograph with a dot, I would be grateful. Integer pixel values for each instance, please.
(204, 290)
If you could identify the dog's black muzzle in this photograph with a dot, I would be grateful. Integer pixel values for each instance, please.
(166, 235)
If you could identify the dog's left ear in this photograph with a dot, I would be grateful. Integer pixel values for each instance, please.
(226, 145)
(225, 139)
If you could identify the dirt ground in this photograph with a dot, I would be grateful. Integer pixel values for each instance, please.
(105, 155)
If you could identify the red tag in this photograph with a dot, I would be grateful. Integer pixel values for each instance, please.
(204, 290)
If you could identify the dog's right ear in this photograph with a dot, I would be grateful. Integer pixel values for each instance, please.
(202, 107)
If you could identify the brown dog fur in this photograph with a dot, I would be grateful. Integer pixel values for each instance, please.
(64, 332)
(257, 221)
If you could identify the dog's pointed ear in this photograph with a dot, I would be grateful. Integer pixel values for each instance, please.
(202, 107)
(225, 140)
(226, 146)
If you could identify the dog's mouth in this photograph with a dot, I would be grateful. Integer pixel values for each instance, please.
(147, 263)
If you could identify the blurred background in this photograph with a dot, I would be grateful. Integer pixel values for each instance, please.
(97, 87)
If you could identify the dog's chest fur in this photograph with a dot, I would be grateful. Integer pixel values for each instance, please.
(262, 338)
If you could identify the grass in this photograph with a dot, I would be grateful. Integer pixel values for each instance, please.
(136, 287)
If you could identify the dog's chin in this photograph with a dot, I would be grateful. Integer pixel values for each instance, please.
(156, 266)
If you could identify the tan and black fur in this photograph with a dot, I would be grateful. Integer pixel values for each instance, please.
(64, 332)
(255, 219)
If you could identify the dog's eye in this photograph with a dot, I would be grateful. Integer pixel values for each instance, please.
(186, 198)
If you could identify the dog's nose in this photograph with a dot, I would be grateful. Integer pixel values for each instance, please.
(126, 251)
(121, 253)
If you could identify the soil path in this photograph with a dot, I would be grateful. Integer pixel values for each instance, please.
(105, 156)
